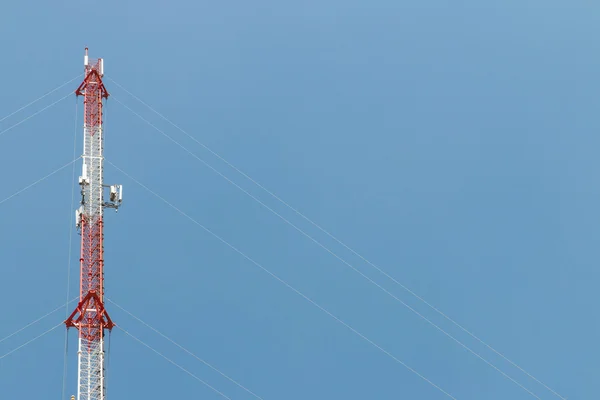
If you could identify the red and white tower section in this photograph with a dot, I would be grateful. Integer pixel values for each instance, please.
(90, 317)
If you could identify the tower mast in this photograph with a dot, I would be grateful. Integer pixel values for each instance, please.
(90, 316)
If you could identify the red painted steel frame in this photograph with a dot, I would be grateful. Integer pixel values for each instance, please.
(90, 316)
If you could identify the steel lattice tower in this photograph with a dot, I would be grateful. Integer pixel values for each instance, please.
(90, 317)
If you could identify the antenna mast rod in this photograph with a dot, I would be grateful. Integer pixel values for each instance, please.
(90, 317)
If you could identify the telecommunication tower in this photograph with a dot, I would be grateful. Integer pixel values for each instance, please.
(90, 316)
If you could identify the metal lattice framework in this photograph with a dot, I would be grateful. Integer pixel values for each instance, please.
(90, 316)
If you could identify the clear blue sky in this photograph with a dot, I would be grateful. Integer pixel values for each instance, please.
(454, 144)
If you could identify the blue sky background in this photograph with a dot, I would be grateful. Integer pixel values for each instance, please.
(454, 144)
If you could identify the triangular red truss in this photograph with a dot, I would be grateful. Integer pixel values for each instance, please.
(86, 303)
(94, 73)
